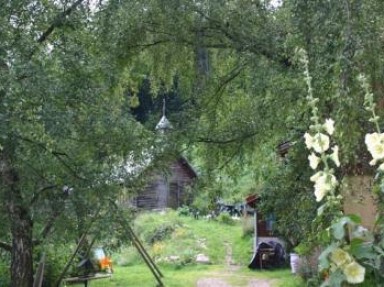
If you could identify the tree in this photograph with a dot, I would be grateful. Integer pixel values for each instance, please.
(66, 68)
(63, 129)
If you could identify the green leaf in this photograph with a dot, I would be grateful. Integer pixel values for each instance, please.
(355, 218)
(336, 278)
(338, 228)
(361, 249)
(323, 258)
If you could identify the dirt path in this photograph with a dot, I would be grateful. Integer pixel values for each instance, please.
(222, 282)
(220, 279)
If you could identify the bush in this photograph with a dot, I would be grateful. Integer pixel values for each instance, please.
(161, 233)
(56, 258)
(225, 218)
(127, 256)
(5, 277)
(184, 211)
(153, 227)
(248, 225)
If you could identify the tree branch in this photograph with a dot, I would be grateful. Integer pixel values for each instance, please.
(58, 21)
(58, 156)
(236, 152)
(148, 45)
(226, 141)
(226, 80)
(241, 43)
(5, 246)
(37, 195)
(48, 227)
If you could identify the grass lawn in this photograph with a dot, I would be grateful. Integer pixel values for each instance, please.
(185, 237)
(140, 275)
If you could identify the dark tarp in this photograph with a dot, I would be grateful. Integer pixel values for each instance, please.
(268, 255)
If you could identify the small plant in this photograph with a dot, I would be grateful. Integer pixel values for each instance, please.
(153, 227)
(127, 256)
(187, 257)
(225, 218)
(5, 277)
(184, 211)
(248, 225)
(161, 233)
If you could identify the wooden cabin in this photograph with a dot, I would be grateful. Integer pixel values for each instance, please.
(168, 189)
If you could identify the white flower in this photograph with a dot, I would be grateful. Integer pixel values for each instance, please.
(320, 143)
(320, 192)
(381, 167)
(324, 183)
(373, 162)
(316, 176)
(329, 126)
(340, 257)
(335, 156)
(313, 160)
(354, 273)
(308, 140)
(375, 145)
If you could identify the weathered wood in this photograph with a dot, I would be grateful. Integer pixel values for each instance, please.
(39, 276)
(85, 279)
(167, 190)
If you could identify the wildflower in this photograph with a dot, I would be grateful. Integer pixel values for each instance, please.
(335, 156)
(354, 273)
(313, 161)
(375, 145)
(320, 143)
(340, 257)
(329, 126)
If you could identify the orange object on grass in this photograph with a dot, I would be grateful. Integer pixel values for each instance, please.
(105, 263)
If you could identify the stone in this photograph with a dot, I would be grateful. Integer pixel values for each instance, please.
(202, 259)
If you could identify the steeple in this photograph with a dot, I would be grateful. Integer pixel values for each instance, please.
(163, 125)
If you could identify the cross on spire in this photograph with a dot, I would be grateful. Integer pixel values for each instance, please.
(164, 123)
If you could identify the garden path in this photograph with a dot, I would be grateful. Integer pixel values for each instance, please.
(220, 279)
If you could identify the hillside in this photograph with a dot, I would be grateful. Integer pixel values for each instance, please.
(174, 241)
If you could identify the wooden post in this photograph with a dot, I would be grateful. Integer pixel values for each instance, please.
(38, 281)
(140, 248)
(255, 233)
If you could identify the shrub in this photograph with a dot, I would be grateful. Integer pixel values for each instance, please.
(247, 224)
(187, 256)
(184, 211)
(225, 218)
(127, 256)
(56, 258)
(153, 227)
(5, 277)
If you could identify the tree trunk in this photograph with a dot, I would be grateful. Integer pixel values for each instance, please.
(21, 256)
(21, 226)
